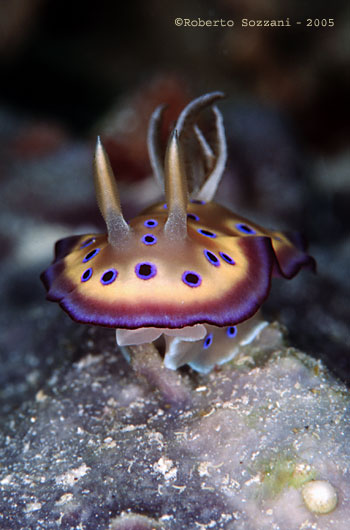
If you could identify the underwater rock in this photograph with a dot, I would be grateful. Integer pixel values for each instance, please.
(98, 449)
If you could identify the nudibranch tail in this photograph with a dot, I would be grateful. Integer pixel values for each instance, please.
(175, 190)
(108, 197)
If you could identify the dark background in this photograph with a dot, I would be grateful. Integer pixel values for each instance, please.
(72, 60)
(70, 70)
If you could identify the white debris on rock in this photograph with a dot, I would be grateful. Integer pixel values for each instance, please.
(320, 496)
(243, 455)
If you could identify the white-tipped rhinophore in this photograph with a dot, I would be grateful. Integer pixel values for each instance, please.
(175, 190)
(108, 197)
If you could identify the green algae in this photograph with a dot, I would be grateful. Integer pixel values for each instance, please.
(283, 471)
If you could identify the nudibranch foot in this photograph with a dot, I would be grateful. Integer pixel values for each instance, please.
(130, 337)
(201, 346)
(148, 364)
(219, 345)
(186, 268)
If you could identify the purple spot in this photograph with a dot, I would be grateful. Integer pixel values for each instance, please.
(91, 255)
(245, 228)
(231, 332)
(211, 258)
(150, 223)
(196, 201)
(192, 279)
(145, 270)
(208, 341)
(193, 216)
(206, 233)
(149, 239)
(165, 205)
(109, 276)
(227, 258)
(86, 275)
(88, 242)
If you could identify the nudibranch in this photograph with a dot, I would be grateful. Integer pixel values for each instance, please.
(186, 268)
